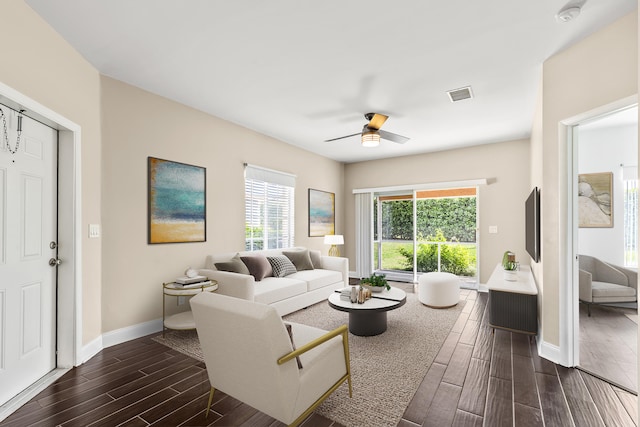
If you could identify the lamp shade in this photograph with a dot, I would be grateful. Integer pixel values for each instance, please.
(370, 138)
(334, 239)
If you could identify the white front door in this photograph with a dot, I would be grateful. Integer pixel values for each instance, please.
(27, 230)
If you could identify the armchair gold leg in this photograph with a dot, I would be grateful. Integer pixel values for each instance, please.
(345, 345)
(210, 400)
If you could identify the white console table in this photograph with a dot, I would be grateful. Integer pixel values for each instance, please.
(513, 305)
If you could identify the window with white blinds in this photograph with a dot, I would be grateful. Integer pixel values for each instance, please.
(269, 208)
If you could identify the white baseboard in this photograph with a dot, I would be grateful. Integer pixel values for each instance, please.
(90, 350)
(119, 336)
(131, 332)
(549, 351)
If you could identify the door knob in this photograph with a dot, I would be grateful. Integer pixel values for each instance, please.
(54, 262)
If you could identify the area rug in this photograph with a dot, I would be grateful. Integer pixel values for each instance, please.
(386, 369)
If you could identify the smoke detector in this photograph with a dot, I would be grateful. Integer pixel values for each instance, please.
(568, 13)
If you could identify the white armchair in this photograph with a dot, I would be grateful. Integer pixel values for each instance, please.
(604, 283)
(250, 356)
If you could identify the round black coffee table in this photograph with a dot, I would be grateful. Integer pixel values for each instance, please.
(369, 318)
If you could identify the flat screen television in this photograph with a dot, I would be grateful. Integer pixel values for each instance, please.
(532, 223)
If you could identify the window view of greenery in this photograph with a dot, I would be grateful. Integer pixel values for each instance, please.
(446, 234)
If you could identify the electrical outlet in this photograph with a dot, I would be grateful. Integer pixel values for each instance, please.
(182, 300)
(493, 229)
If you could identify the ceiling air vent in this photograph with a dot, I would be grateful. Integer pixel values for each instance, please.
(459, 94)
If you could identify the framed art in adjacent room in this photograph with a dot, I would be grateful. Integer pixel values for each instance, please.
(595, 200)
(322, 213)
(176, 202)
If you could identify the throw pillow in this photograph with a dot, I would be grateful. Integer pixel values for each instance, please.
(281, 265)
(290, 331)
(234, 265)
(316, 258)
(300, 259)
(258, 266)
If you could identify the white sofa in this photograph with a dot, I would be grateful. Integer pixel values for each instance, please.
(286, 294)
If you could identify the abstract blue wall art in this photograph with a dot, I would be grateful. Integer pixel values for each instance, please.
(177, 202)
(321, 213)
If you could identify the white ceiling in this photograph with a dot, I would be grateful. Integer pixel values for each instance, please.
(304, 72)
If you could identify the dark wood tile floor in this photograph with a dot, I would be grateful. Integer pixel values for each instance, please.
(477, 377)
(486, 378)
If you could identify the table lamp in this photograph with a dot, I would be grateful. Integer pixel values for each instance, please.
(333, 240)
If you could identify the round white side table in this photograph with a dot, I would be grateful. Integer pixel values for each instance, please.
(184, 320)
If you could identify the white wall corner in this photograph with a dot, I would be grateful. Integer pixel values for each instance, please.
(129, 333)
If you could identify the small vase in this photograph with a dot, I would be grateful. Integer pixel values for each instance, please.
(511, 275)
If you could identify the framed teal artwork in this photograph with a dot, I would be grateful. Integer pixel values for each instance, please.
(177, 208)
(322, 213)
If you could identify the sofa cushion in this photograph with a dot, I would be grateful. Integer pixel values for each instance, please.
(274, 289)
(318, 278)
(234, 265)
(316, 258)
(611, 290)
(281, 265)
(300, 259)
(258, 266)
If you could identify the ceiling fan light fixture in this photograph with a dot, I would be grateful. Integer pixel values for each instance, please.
(370, 138)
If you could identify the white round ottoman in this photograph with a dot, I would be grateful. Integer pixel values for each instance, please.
(439, 290)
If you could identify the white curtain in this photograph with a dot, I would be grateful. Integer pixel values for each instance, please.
(364, 234)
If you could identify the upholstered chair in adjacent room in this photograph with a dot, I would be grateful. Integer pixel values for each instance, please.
(252, 357)
(604, 283)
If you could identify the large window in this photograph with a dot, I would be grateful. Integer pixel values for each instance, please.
(428, 230)
(269, 209)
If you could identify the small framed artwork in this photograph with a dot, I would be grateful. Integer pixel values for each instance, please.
(322, 213)
(595, 200)
(176, 202)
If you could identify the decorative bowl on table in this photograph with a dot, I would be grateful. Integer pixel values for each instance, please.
(373, 288)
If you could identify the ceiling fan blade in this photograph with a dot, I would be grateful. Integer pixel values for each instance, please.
(342, 137)
(377, 121)
(393, 137)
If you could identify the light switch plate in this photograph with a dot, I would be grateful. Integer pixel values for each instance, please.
(94, 231)
(493, 229)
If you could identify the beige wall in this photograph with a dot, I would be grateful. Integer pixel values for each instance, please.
(501, 202)
(37, 62)
(535, 156)
(137, 124)
(597, 71)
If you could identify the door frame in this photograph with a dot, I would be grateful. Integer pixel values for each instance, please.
(568, 266)
(69, 281)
